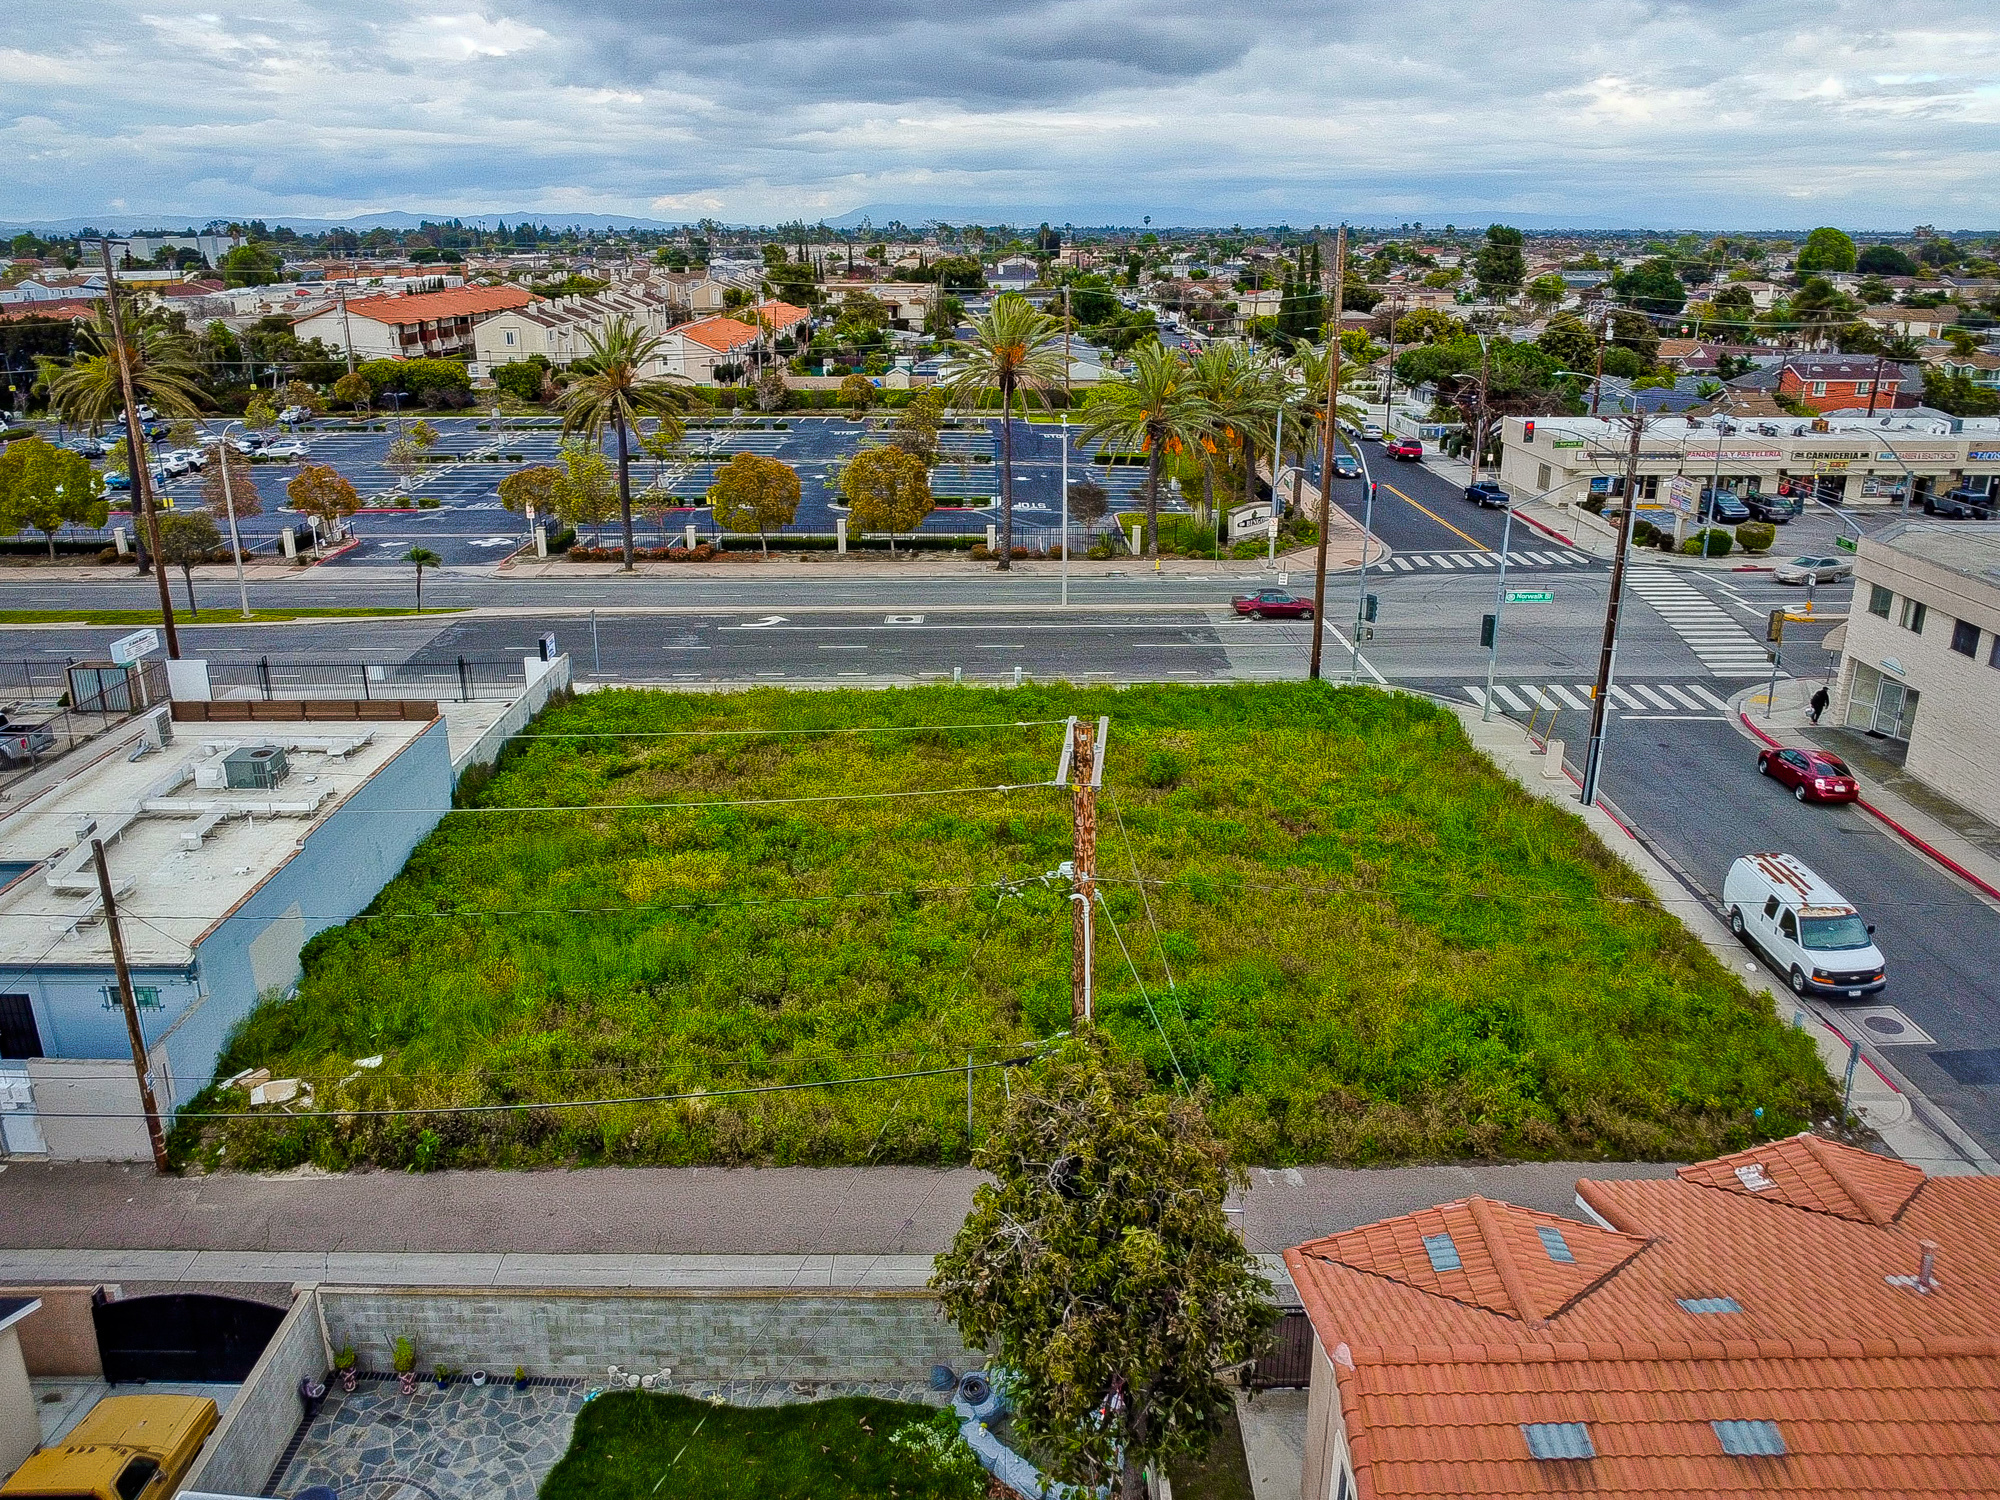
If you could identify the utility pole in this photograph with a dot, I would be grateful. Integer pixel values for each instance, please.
(1326, 452)
(346, 333)
(1603, 329)
(1389, 372)
(1607, 655)
(130, 1003)
(1066, 328)
(135, 443)
(1083, 890)
(1875, 386)
(1479, 420)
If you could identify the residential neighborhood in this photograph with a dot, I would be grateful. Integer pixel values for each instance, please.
(999, 755)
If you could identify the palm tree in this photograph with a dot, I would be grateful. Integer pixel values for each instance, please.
(162, 372)
(421, 558)
(1014, 347)
(1217, 377)
(608, 388)
(1157, 408)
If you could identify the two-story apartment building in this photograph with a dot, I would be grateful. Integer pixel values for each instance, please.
(694, 350)
(1921, 659)
(424, 325)
(1832, 382)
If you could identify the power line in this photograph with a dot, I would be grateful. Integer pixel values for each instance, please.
(654, 734)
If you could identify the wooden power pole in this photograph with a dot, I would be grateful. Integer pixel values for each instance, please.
(1326, 448)
(1085, 772)
(143, 510)
(130, 1003)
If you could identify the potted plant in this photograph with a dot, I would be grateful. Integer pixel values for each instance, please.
(520, 1377)
(445, 1373)
(343, 1363)
(406, 1366)
(479, 1377)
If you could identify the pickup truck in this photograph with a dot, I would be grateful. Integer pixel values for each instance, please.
(21, 743)
(125, 1448)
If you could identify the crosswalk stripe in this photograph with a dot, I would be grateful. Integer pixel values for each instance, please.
(1443, 560)
(1422, 562)
(1564, 694)
(1476, 694)
(1622, 697)
(1650, 696)
(1701, 692)
(1679, 697)
(1483, 559)
(1575, 557)
(1638, 698)
(1405, 564)
(1508, 698)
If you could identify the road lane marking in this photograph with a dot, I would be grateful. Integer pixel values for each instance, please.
(1432, 514)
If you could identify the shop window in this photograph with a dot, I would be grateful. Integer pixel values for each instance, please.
(1878, 600)
(1965, 638)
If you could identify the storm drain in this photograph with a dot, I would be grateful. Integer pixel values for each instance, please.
(1887, 1026)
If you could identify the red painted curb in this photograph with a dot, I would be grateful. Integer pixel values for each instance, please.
(1903, 833)
(1886, 1083)
(1546, 530)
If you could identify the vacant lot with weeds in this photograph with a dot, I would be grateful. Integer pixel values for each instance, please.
(1366, 941)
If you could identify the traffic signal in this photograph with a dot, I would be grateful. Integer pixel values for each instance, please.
(1368, 609)
(1489, 627)
(1775, 631)
(1528, 430)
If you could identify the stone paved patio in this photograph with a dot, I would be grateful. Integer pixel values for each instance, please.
(492, 1443)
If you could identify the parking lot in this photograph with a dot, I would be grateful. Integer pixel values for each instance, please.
(458, 513)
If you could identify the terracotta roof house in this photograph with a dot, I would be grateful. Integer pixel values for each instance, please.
(422, 325)
(693, 350)
(1801, 1319)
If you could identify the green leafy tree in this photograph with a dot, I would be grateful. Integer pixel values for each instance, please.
(1570, 342)
(1825, 249)
(322, 492)
(1499, 267)
(402, 460)
(917, 430)
(521, 379)
(186, 538)
(1546, 293)
(755, 493)
(298, 393)
(1885, 260)
(610, 388)
(531, 491)
(424, 436)
(1155, 408)
(1960, 395)
(1100, 1266)
(857, 394)
(44, 488)
(887, 490)
(1014, 349)
(251, 265)
(586, 492)
(421, 558)
(1652, 286)
(353, 390)
(260, 415)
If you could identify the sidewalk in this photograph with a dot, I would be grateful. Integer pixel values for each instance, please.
(1879, 1101)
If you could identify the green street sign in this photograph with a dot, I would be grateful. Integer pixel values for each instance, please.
(1530, 596)
(1845, 543)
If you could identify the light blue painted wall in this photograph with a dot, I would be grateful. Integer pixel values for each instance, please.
(345, 863)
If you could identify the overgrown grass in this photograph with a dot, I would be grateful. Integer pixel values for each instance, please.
(1380, 948)
(630, 1445)
(215, 616)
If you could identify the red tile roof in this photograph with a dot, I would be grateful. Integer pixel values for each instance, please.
(425, 307)
(1876, 1387)
(720, 333)
(66, 308)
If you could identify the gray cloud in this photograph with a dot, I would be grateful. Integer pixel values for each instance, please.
(1622, 111)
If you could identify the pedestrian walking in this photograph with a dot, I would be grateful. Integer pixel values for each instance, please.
(1820, 698)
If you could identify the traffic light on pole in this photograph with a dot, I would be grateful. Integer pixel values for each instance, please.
(1528, 430)
(1368, 612)
(1489, 627)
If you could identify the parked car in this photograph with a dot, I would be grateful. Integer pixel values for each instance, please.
(1813, 570)
(1813, 775)
(1372, 431)
(247, 443)
(286, 452)
(1346, 466)
(21, 743)
(1723, 507)
(125, 1448)
(180, 461)
(1807, 930)
(1407, 449)
(1777, 509)
(291, 416)
(1960, 505)
(1273, 604)
(117, 479)
(1488, 492)
(89, 447)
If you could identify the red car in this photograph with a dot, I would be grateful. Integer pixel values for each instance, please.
(1274, 604)
(1813, 775)
(1405, 448)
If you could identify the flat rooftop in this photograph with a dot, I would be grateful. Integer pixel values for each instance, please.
(1968, 548)
(184, 848)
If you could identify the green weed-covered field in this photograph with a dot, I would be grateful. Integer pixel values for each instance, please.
(1380, 949)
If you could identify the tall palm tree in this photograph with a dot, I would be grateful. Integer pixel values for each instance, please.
(160, 367)
(1216, 374)
(610, 388)
(1014, 347)
(1155, 407)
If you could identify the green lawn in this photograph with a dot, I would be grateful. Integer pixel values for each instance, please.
(630, 1445)
(1381, 949)
(215, 616)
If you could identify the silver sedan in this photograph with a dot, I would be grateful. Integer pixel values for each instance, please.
(1814, 570)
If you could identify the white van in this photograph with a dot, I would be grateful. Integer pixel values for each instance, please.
(1807, 929)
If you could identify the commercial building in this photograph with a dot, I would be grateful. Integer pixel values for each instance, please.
(1847, 460)
(1801, 1318)
(228, 844)
(424, 325)
(1920, 663)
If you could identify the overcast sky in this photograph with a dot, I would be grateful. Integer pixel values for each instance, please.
(1863, 113)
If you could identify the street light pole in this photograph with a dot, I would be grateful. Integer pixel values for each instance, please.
(229, 504)
(1499, 602)
(1065, 508)
(1607, 656)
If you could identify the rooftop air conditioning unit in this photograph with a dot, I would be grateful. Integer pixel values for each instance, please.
(255, 767)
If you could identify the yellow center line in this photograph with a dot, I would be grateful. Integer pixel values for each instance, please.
(1482, 546)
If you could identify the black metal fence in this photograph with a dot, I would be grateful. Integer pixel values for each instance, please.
(1288, 1362)
(456, 679)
